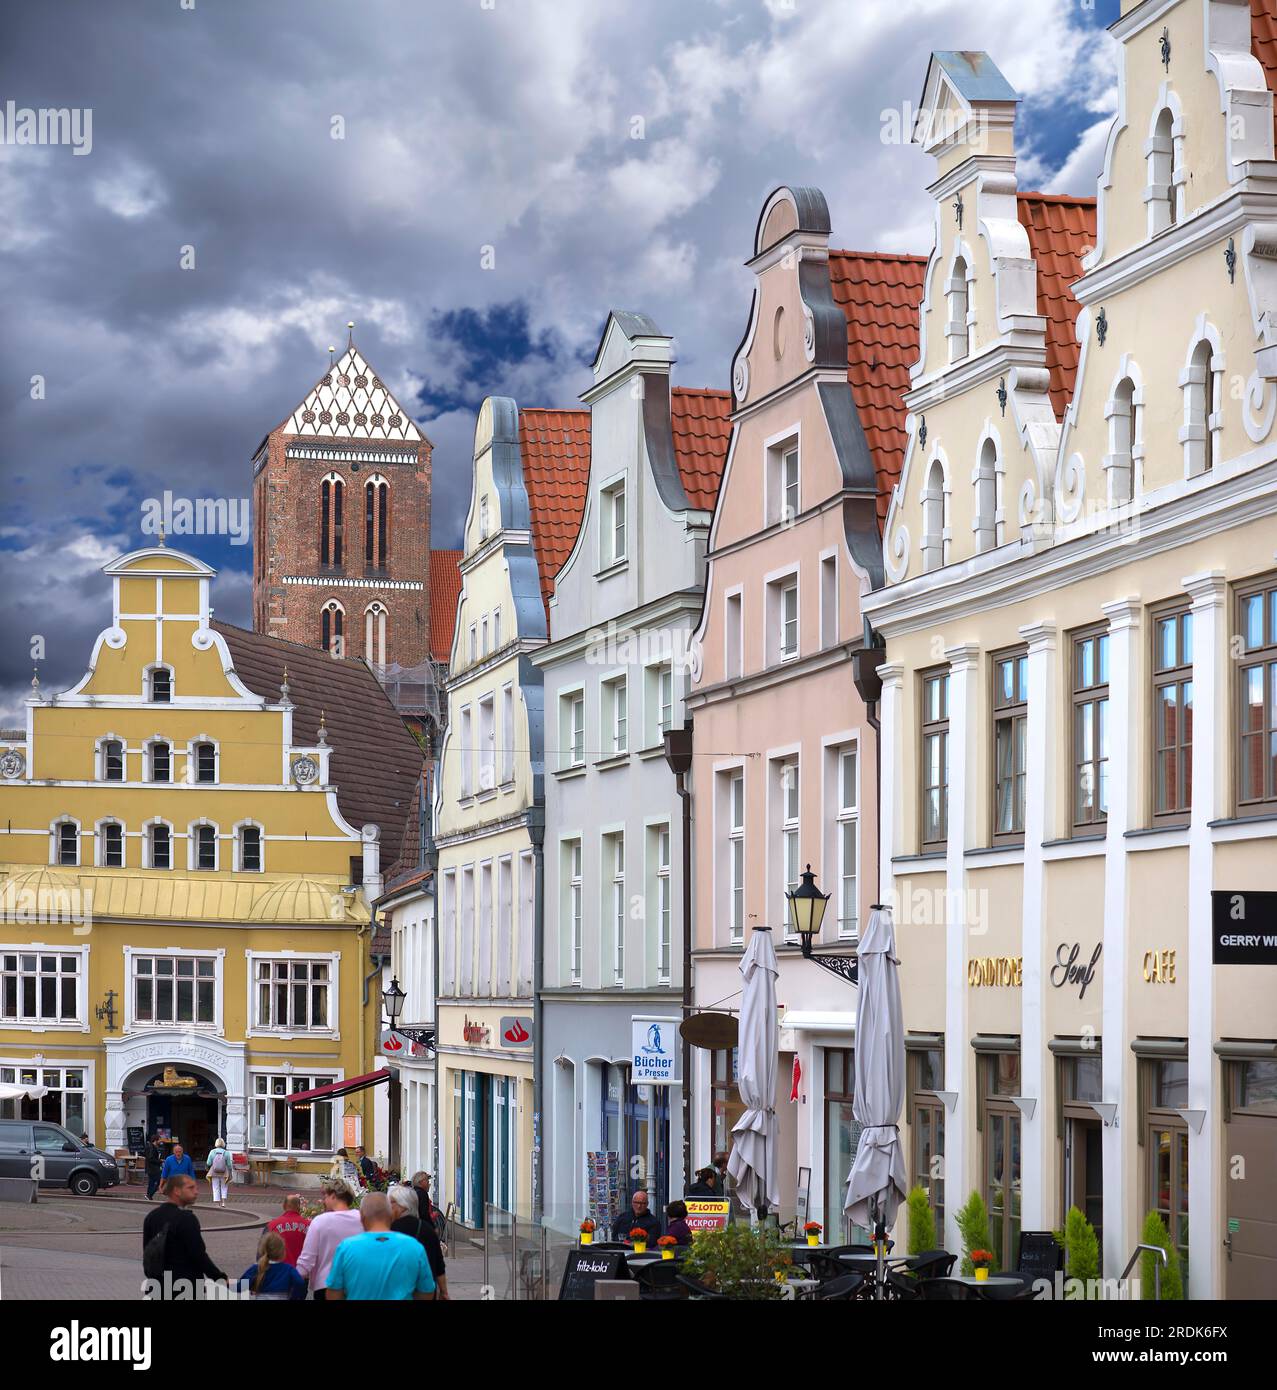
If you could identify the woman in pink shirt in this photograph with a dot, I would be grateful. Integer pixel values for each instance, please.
(326, 1232)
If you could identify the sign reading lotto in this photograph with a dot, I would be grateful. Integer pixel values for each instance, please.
(707, 1213)
(652, 1052)
(1243, 928)
(516, 1032)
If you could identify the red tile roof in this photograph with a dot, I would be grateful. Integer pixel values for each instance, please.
(376, 763)
(881, 296)
(1263, 43)
(699, 420)
(445, 588)
(555, 446)
(1061, 230)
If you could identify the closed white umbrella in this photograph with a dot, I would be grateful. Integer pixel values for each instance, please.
(752, 1164)
(876, 1183)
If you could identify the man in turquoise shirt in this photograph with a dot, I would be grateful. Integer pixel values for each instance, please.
(380, 1263)
(178, 1162)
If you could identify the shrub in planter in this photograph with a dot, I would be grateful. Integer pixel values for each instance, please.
(740, 1261)
(1155, 1233)
(1081, 1250)
(973, 1225)
(922, 1223)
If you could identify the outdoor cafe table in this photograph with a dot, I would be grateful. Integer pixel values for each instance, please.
(647, 1258)
(864, 1263)
(984, 1283)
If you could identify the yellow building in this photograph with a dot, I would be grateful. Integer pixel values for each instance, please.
(191, 836)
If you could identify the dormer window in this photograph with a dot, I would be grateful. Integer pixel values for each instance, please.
(205, 762)
(782, 486)
(113, 761)
(612, 525)
(160, 685)
(958, 329)
(1164, 175)
(159, 757)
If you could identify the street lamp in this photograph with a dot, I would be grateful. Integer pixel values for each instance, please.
(806, 913)
(393, 999)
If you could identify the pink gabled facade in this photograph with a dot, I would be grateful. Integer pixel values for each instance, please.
(785, 769)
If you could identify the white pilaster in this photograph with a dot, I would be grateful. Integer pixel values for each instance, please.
(1039, 793)
(1210, 765)
(1123, 737)
(959, 1061)
(891, 713)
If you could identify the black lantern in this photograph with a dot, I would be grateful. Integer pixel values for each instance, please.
(806, 914)
(393, 999)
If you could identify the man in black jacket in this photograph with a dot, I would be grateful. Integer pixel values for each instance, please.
(637, 1217)
(174, 1259)
(154, 1156)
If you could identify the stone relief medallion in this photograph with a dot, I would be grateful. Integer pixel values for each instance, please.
(305, 771)
(12, 765)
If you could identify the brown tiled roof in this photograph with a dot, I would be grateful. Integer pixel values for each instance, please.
(1060, 231)
(699, 420)
(555, 446)
(445, 588)
(881, 296)
(1263, 43)
(376, 762)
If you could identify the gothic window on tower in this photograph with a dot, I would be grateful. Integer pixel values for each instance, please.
(332, 624)
(331, 510)
(375, 634)
(376, 523)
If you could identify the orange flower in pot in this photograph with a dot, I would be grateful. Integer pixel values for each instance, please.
(980, 1262)
(639, 1236)
(812, 1231)
(666, 1245)
(587, 1232)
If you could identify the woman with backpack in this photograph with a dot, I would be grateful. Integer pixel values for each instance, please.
(218, 1171)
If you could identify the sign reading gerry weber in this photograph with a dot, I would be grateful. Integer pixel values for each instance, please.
(1066, 970)
(652, 1052)
(1243, 928)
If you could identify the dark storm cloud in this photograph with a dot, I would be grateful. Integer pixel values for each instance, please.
(466, 127)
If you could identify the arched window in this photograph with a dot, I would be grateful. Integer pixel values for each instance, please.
(331, 507)
(113, 760)
(1198, 381)
(66, 843)
(1161, 195)
(204, 847)
(376, 523)
(204, 762)
(1120, 464)
(957, 330)
(934, 518)
(111, 844)
(332, 624)
(375, 633)
(159, 761)
(159, 683)
(159, 846)
(248, 844)
(988, 501)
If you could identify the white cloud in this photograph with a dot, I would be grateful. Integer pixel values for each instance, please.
(130, 191)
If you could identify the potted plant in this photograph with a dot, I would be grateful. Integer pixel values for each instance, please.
(980, 1262)
(739, 1261)
(666, 1245)
(973, 1224)
(587, 1232)
(812, 1231)
(922, 1222)
(639, 1236)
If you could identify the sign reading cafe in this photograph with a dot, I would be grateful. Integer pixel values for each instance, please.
(652, 1051)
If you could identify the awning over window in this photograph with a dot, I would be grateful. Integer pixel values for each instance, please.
(340, 1088)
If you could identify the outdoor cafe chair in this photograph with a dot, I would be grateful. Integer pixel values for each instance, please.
(699, 1290)
(947, 1291)
(824, 1263)
(660, 1281)
(931, 1264)
(843, 1289)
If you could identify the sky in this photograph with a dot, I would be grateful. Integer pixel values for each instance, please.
(474, 183)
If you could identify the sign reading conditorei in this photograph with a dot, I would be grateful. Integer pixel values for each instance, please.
(1243, 928)
(995, 970)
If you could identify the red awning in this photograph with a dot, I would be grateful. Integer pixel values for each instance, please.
(340, 1088)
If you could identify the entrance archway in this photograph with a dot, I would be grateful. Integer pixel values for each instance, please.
(181, 1103)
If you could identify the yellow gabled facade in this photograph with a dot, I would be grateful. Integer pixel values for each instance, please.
(176, 892)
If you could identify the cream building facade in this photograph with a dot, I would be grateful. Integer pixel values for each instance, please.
(1081, 626)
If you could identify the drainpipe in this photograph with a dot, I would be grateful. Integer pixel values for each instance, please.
(678, 754)
(536, 833)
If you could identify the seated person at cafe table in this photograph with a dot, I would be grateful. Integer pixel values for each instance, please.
(706, 1184)
(676, 1223)
(637, 1217)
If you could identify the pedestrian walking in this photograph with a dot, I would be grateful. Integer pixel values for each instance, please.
(153, 1158)
(291, 1227)
(405, 1204)
(367, 1168)
(218, 1171)
(174, 1258)
(379, 1264)
(421, 1186)
(272, 1276)
(335, 1223)
(177, 1164)
(342, 1167)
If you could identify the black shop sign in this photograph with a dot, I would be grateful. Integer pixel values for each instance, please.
(585, 1268)
(1243, 928)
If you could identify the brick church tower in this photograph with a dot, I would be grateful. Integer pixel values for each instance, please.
(341, 505)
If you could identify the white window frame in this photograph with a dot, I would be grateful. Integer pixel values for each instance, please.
(612, 497)
(1201, 386)
(828, 598)
(1122, 463)
(662, 841)
(131, 1022)
(656, 676)
(375, 616)
(837, 816)
(79, 1024)
(147, 848)
(573, 898)
(99, 843)
(466, 966)
(959, 298)
(192, 761)
(487, 744)
(1164, 164)
(237, 842)
(935, 513)
(148, 683)
(309, 1075)
(448, 933)
(614, 904)
(730, 909)
(987, 523)
(503, 970)
(614, 713)
(148, 761)
(192, 845)
(465, 750)
(55, 842)
(734, 633)
(779, 584)
(99, 750)
(784, 814)
(571, 700)
(505, 767)
(255, 1027)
